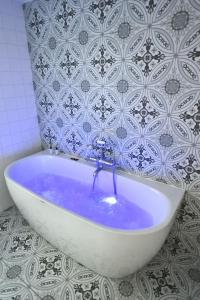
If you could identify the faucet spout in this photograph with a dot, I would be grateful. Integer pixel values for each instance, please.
(102, 162)
(95, 174)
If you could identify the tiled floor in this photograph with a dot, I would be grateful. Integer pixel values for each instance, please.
(30, 268)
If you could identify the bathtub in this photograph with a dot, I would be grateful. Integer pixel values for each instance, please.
(87, 229)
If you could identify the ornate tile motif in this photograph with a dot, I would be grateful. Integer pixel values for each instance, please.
(101, 61)
(147, 57)
(73, 142)
(71, 106)
(16, 291)
(36, 23)
(88, 291)
(66, 18)
(68, 64)
(189, 171)
(19, 245)
(101, 8)
(65, 15)
(46, 103)
(4, 224)
(162, 282)
(193, 118)
(41, 66)
(141, 157)
(145, 114)
(50, 137)
(52, 266)
(103, 108)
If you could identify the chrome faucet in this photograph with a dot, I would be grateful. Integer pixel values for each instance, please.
(101, 163)
(96, 172)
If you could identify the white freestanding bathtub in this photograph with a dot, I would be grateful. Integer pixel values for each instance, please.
(114, 237)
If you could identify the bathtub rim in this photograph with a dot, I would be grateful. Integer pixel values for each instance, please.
(146, 181)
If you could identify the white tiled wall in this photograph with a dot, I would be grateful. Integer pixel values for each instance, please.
(19, 133)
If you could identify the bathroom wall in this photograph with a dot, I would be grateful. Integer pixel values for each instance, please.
(125, 71)
(19, 132)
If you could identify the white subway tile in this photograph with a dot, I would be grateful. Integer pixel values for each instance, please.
(19, 133)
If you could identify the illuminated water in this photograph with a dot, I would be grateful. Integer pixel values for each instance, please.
(98, 206)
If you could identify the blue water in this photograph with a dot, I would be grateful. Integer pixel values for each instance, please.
(99, 206)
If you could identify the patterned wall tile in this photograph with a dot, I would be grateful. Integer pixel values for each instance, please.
(127, 71)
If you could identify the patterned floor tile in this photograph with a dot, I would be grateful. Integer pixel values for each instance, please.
(85, 285)
(127, 289)
(17, 291)
(31, 268)
(19, 245)
(47, 269)
(8, 222)
(3, 271)
(12, 288)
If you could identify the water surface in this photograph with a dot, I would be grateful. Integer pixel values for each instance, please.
(98, 205)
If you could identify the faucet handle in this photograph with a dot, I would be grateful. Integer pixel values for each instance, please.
(100, 143)
(106, 149)
(50, 149)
